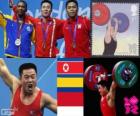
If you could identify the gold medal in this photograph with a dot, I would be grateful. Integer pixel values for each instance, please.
(74, 45)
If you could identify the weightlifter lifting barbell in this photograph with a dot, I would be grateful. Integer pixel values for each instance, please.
(119, 22)
(100, 79)
(124, 74)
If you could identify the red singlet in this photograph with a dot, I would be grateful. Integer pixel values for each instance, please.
(20, 109)
(106, 109)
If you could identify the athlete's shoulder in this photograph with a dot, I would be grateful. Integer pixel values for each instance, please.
(58, 20)
(8, 16)
(84, 18)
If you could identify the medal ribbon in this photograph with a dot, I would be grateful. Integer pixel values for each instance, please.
(74, 32)
(20, 27)
(45, 32)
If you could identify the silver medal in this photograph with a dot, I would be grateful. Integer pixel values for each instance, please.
(17, 42)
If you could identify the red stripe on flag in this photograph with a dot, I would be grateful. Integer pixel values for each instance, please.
(69, 67)
(70, 98)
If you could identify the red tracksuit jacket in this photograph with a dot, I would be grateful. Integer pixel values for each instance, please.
(45, 39)
(77, 37)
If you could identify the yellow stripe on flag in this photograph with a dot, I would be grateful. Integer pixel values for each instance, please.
(69, 82)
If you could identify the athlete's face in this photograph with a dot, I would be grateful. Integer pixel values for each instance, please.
(28, 80)
(21, 9)
(72, 9)
(102, 90)
(46, 9)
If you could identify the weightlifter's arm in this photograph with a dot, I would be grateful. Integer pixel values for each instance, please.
(111, 94)
(107, 35)
(49, 102)
(7, 77)
(2, 20)
(112, 90)
(116, 27)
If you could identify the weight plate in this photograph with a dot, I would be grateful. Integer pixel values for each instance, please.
(125, 73)
(100, 14)
(123, 22)
(91, 74)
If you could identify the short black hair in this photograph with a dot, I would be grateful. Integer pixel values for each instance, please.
(105, 83)
(68, 1)
(47, 1)
(27, 66)
(24, 2)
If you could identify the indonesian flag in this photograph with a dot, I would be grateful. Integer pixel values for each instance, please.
(70, 87)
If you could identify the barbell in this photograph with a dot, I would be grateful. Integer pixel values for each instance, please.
(101, 16)
(124, 73)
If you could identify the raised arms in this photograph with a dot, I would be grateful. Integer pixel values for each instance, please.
(7, 77)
